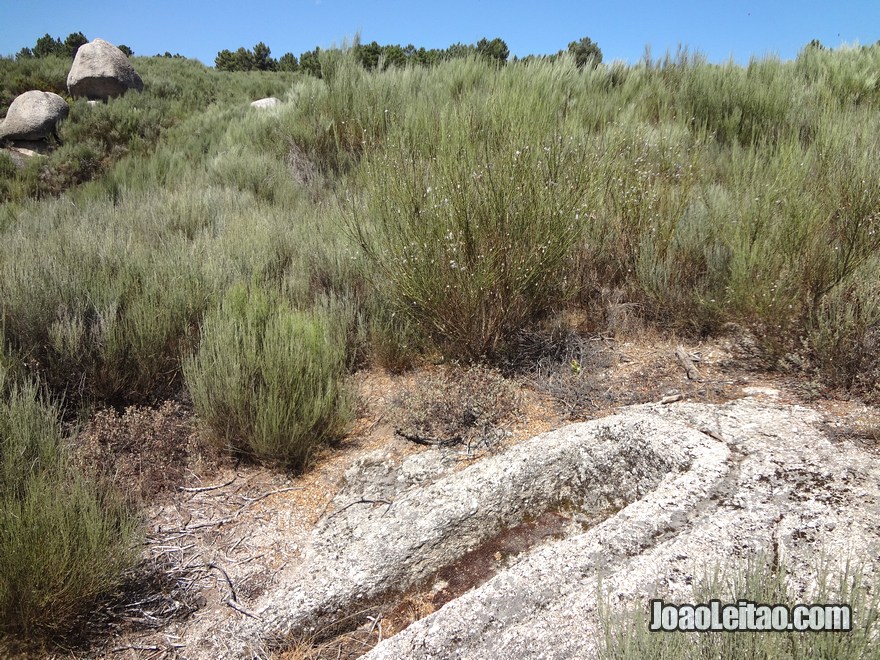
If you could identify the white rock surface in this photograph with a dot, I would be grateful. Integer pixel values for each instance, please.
(691, 485)
(270, 102)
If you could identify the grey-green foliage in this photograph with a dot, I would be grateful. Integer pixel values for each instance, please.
(94, 137)
(64, 541)
(477, 247)
(472, 211)
(699, 193)
(846, 332)
(267, 378)
(48, 74)
(100, 303)
(625, 634)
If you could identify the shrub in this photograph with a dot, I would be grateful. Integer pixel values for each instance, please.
(845, 335)
(96, 136)
(266, 377)
(700, 194)
(48, 74)
(146, 451)
(466, 405)
(393, 341)
(64, 541)
(92, 304)
(474, 241)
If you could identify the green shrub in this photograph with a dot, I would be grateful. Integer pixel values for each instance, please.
(393, 340)
(8, 172)
(697, 193)
(474, 241)
(267, 378)
(101, 302)
(845, 77)
(48, 74)
(64, 542)
(756, 104)
(845, 335)
(337, 119)
(95, 136)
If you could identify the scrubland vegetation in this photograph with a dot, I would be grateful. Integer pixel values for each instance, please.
(759, 580)
(180, 241)
(64, 540)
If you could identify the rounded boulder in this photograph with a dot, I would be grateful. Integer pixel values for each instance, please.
(33, 115)
(101, 71)
(270, 102)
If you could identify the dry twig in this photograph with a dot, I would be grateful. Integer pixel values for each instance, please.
(360, 501)
(692, 372)
(430, 442)
(204, 489)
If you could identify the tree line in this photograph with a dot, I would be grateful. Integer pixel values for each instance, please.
(375, 56)
(371, 56)
(49, 46)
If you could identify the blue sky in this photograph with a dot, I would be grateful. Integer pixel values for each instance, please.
(717, 28)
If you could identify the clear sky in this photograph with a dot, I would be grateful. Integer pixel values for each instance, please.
(195, 28)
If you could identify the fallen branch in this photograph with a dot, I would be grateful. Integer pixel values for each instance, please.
(430, 442)
(238, 608)
(228, 579)
(692, 372)
(213, 523)
(249, 559)
(239, 511)
(232, 549)
(251, 500)
(204, 489)
(376, 619)
(178, 534)
(232, 601)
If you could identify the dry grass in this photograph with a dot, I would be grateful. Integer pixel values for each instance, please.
(455, 405)
(147, 451)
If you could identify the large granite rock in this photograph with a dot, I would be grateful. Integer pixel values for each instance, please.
(655, 494)
(33, 115)
(101, 71)
(765, 481)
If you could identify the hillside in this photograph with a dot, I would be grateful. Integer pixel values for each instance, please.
(194, 291)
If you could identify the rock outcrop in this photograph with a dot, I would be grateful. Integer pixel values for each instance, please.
(33, 115)
(270, 102)
(101, 71)
(652, 496)
(781, 489)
